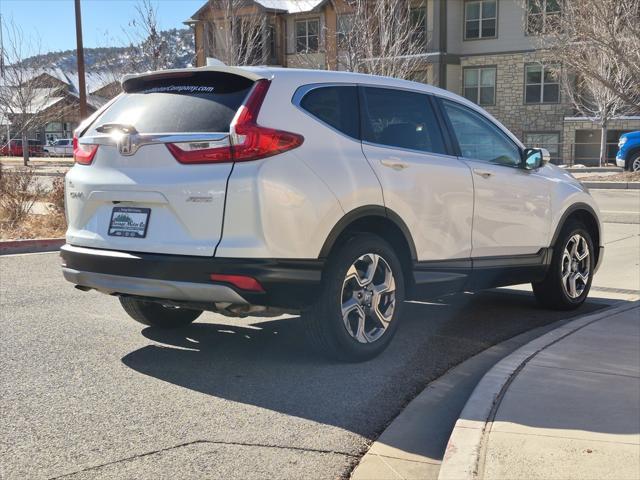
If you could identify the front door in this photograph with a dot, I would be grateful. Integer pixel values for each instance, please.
(512, 205)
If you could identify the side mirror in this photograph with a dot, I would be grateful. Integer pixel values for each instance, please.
(535, 158)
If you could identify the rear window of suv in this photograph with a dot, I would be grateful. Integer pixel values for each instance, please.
(336, 106)
(197, 102)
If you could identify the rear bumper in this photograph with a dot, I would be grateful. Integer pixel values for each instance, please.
(286, 283)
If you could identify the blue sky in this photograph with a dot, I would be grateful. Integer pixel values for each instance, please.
(53, 21)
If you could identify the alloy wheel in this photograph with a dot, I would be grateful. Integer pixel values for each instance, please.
(575, 266)
(635, 165)
(368, 298)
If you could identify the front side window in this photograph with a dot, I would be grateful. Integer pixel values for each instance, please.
(479, 138)
(541, 84)
(480, 19)
(480, 85)
(336, 106)
(550, 141)
(399, 118)
(307, 35)
(543, 16)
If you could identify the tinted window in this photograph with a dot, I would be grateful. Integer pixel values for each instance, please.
(400, 118)
(203, 102)
(336, 106)
(479, 138)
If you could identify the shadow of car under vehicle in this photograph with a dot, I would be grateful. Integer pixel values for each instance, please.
(266, 363)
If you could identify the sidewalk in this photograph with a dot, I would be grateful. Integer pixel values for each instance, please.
(565, 406)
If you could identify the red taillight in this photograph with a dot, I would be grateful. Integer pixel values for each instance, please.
(241, 281)
(83, 154)
(199, 153)
(250, 141)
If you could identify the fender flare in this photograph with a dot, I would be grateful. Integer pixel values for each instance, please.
(570, 210)
(362, 212)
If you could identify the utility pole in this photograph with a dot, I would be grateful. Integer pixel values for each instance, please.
(80, 55)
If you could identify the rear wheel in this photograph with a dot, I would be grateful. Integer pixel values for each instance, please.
(568, 281)
(158, 315)
(357, 311)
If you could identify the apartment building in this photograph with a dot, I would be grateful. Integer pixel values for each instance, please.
(486, 50)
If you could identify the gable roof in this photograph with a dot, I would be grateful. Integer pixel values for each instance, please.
(279, 6)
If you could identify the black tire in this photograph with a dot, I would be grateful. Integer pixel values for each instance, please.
(634, 160)
(327, 332)
(551, 292)
(157, 315)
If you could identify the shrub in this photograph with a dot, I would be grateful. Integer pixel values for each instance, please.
(19, 190)
(56, 196)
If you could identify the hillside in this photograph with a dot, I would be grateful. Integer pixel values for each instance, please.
(179, 45)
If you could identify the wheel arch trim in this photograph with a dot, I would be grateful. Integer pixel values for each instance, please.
(588, 209)
(367, 211)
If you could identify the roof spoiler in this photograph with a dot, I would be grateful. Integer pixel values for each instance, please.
(129, 81)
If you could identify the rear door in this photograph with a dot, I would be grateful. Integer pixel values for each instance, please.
(429, 189)
(155, 182)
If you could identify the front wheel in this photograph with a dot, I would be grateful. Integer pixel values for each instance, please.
(568, 280)
(157, 315)
(633, 165)
(357, 311)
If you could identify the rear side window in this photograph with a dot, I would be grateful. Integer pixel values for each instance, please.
(199, 102)
(336, 106)
(399, 118)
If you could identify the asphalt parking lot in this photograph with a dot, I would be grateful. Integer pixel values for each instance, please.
(88, 393)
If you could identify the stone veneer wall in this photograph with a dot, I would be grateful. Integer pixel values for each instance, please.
(509, 106)
(572, 124)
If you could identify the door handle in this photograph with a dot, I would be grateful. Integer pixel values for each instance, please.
(394, 163)
(482, 173)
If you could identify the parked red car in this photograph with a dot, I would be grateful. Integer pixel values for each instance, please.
(14, 148)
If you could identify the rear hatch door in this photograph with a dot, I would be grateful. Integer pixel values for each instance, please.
(148, 188)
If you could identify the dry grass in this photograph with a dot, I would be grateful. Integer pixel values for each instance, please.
(19, 190)
(33, 226)
(618, 177)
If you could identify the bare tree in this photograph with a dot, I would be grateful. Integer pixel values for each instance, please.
(148, 49)
(383, 37)
(25, 94)
(238, 33)
(592, 99)
(586, 34)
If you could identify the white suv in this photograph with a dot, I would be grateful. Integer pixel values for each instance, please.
(258, 191)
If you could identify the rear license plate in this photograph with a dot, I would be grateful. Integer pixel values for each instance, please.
(129, 222)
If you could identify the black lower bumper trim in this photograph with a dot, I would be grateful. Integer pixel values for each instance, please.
(287, 283)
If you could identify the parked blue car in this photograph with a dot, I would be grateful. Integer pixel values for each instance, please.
(628, 156)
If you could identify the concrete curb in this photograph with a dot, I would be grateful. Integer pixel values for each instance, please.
(36, 245)
(612, 185)
(463, 455)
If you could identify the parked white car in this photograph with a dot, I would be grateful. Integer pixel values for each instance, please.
(63, 147)
(337, 195)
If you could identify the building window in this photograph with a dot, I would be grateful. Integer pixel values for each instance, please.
(343, 30)
(550, 141)
(480, 19)
(307, 36)
(480, 85)
(418, 19)
(541, 84)
(542, 16)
